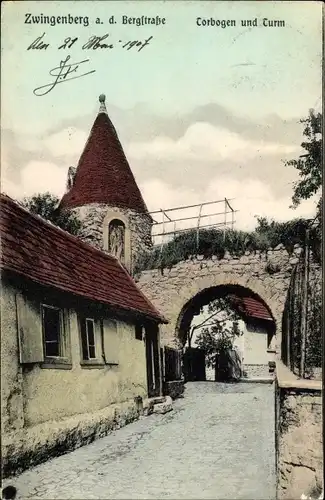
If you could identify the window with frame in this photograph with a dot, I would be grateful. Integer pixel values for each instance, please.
(87, 328)
(53, 331)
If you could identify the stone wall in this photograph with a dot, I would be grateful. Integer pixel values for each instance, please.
(256, 371)
(298, 435)
(34, 445)
(175, 389)
(93, 221)
(265, 273)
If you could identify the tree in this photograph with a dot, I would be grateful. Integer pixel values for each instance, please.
(47, 206)
(216, 307)
(215, 337)
(217, 340)
(309, 164)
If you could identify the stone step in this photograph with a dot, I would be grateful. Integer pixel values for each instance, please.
(257, 380)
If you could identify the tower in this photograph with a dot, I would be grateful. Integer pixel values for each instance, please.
(103, 192)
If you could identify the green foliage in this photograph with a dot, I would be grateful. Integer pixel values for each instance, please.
(285, 233)
(309, 164)
(314, 328)
(268, 233)
(217, 339)
(45, 205)
(220, 305)
(293, 320)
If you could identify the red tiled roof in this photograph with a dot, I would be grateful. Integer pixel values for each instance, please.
(250, 307)
(38, 250)
(103, 173)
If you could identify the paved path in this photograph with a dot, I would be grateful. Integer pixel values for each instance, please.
(217, 443)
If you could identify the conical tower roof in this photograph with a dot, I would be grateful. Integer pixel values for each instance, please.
(103, 173)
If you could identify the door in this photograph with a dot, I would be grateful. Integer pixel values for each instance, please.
(194, 364)
(152, 359)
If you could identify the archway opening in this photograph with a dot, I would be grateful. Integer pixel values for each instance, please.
(227, 332)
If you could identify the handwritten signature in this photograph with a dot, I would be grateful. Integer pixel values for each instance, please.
(61, 74)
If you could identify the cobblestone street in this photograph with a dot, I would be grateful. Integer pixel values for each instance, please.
(217, 443)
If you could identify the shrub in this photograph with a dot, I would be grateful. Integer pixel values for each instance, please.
(215, 242)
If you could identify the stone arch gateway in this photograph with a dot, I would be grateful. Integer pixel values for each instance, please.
(210, 294)
(266, 275)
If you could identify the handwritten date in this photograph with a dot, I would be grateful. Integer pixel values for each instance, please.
(93, 43)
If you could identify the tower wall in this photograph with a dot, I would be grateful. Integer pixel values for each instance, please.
(94, 219)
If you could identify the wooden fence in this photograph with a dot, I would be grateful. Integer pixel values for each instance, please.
(302, 319)
(171, 363)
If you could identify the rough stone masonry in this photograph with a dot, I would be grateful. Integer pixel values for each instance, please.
(265, 273)
(299, 442)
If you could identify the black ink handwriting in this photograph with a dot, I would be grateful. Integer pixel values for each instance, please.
(68, 42)
(38, 43)
(137, 43)
(94, 43)
(61, 73)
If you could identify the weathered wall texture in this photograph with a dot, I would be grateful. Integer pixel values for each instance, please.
(266, 274)
(36, 396)
(53, 394)
(256, 345)
(33, 445)
(298, 437)
(93, 218)
(12, 412)
(256, 371)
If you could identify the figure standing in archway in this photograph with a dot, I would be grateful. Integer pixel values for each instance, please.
(117, 239)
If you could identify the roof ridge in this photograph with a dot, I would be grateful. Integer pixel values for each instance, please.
(65, 262)
(58, 228)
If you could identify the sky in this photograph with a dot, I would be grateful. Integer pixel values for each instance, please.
(202, 112)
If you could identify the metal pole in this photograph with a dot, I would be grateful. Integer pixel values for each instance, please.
(288, 325)
(189, 206)
(202, 216)
(304, 308)
(224, 231)
(189, 228)
(198, 229)
(163, 232)
(163, 227)
(163, 221)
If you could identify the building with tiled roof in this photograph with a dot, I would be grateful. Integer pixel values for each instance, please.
(79, 340)
(103, 192)
(45, 254)
(250, 308)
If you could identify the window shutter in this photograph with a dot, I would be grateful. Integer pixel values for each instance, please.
(29, 324)
(111, 341)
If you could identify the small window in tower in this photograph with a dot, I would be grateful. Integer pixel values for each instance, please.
(116, 239)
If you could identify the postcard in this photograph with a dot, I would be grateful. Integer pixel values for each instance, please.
(161, 263)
